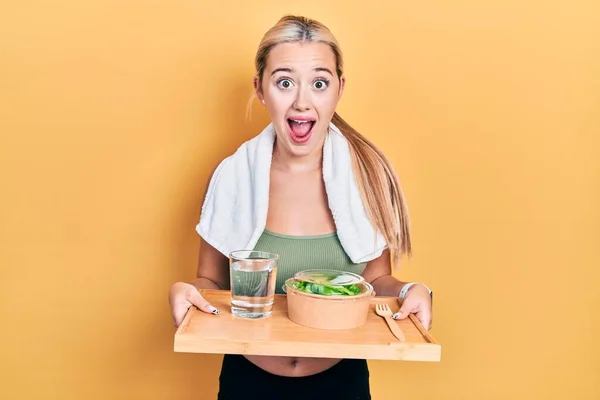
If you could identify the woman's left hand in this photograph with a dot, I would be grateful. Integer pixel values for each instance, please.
(417, 301)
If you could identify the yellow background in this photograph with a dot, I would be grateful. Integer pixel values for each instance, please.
(113, 114)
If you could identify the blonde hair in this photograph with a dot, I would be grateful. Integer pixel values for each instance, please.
(376, 178)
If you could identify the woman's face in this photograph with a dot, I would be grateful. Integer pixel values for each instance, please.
(301, 90)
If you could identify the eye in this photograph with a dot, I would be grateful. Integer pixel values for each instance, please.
(321, 84)
(284, 83)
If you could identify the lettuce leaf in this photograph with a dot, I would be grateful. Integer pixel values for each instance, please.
(327, 290)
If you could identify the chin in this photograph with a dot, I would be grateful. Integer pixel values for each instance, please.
(300, 151)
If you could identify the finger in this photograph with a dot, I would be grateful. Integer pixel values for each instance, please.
(405, 310)
(194, 297)
(424, 317)
(179, 311)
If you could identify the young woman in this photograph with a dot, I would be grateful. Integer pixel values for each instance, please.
(299, 79)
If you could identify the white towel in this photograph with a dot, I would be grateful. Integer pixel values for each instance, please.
(234, 212)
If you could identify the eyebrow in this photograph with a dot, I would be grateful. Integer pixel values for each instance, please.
(290, 70)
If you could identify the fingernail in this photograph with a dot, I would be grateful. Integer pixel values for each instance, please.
(395, 316)
(214, 311)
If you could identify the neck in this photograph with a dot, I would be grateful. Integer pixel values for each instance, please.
(283, 159)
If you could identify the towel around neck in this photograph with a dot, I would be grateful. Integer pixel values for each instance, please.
(234, 212)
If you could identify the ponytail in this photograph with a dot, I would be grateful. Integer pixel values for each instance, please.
(380, 190)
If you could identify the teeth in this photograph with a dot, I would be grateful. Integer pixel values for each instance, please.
(300, 122)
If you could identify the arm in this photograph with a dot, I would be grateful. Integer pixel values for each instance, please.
(212, 272)
(417, 299)
(213, 268)
(378, 274)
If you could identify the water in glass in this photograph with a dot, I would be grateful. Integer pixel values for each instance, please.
(252, 278)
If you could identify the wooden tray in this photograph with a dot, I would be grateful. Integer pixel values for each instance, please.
(277, 335)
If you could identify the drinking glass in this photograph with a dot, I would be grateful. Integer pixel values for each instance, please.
(252, 281)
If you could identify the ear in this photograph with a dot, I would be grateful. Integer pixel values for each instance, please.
(342, 86)
(258, 89)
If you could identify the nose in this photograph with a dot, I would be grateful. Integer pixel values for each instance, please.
(302, 101)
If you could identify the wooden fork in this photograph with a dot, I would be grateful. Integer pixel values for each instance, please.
(383, 310)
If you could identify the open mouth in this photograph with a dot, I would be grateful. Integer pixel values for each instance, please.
(300, 129)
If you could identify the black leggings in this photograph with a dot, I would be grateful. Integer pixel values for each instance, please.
(242, 380)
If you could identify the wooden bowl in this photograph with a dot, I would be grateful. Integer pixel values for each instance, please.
(328, 311)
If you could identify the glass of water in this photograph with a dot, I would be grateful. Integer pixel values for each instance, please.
(252, 281)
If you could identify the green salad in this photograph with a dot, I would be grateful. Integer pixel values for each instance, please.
(328, 290)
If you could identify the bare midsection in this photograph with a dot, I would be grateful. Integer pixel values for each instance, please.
(297, 206)
(292, 366)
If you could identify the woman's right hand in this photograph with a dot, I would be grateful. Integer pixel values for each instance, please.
(184, 295)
